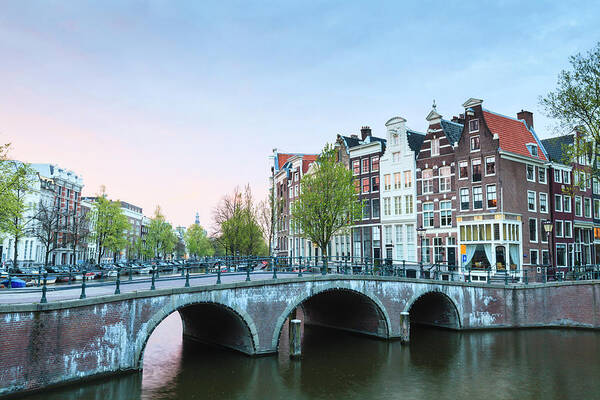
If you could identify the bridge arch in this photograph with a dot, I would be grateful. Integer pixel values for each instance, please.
(229, 314)
(434, 308)
(369, 301)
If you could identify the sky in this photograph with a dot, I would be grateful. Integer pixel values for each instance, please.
(176, 103)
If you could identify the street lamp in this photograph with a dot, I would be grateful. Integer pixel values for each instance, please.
(421, 233)
(548, 225)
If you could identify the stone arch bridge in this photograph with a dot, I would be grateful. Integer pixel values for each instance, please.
(54, 343)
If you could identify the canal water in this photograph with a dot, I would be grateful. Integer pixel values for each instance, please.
(438, 364)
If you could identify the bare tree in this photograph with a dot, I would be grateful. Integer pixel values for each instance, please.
(77, 229)
(47, 221)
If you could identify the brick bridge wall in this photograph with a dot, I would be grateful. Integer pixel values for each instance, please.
(54, 343)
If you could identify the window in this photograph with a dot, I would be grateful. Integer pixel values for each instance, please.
(533, 254)
(296, 176)
(561, 255)
(490, 166)
(543, 234)
(365, 165)
(533, 150)
(366, 209)
(566, 177)
(357, 185)
(530, 173)
(365, 185)
(375, 208)
(356, 167)
(491, 196)
(408, 202)
(395, 140)
(477, 198)
(438, 249)
(476, 170)
(474, 125)
(435, 147)
(568, 229)
(407, 179)
(532, 230)
(386, 206)
(375, 183)
(531, 200)
(428, 215)
(397, 182)
(587, 207)
(464, 199)
(397, 205)
(559, 229)
(567, 204)
(475, 145)
(396, 156)
(445, 179)
(596, 209)
(387, 182)
(542, 175)
(543, 202)
(463, 170)
(291, 193)
(596, 186)
(557, 176)
(428, 181)
(445, 213)
(375, 164)
(578, 206)
(388, 234)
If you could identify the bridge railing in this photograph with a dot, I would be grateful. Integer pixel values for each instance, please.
(249, 268)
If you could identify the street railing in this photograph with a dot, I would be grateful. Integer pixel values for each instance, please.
(275, 267)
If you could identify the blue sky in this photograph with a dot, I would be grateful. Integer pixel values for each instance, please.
(176, 103)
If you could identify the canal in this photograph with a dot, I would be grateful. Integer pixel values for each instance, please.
(438, 364)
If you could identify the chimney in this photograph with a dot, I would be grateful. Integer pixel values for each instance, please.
(354, 136)
(364, 132)
(460, 119)
(527, 116)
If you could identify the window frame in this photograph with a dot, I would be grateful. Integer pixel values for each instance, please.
(436, 147)
(540, 169)
(364, 170)
(430, 215)
(493, 158)
(536, 230)
(481, 194)
(362, 187)
(476, 121)
(527, 166)
(545, 195)
(375, 161)
(460, 199)
(475, 139)
(534, 201)
(464, 163)
(487, 193)
(474, 162)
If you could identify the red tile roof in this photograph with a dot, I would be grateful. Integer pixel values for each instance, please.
(513, 134)
(307, 160)
(282, 159)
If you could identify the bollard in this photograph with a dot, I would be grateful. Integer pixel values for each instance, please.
(526, 280)
(118, 283)
(488, 275)
(505, 279)
(182, 272)
(187, 277)
(70, 275)
(275, 269)
(404, 268)
(219, 275)
(247, 273)
(130, 273)
(82, 296)
(295, 338)
(44, 289)
(404, 327)
(153, 285)
(300, 268)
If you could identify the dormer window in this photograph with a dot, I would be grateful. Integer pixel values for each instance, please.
(474, 125)
(533, 149)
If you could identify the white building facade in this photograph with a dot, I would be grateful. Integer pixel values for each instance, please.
(398, 191)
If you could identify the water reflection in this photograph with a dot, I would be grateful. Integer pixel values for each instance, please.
(525, 364)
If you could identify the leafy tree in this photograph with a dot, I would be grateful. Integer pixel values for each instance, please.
(15, 213)
(109, 225)
(160, 239)
(237, 228)
(327, 203)
(197, 242)
(575, 104)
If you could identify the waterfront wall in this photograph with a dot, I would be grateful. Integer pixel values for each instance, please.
(48, 344)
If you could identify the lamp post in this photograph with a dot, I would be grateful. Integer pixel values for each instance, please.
(548, 225)
(421, 234)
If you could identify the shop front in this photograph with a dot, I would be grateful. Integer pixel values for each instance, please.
(491, 245)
